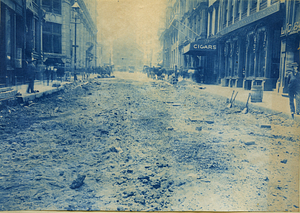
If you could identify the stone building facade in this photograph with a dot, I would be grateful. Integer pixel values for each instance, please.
(44, 30)
(12, 40)
(241, 43)
(185, 22)
(290, 42)
(248, 36)
(59, 35)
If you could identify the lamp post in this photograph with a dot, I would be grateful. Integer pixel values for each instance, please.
(76, 9)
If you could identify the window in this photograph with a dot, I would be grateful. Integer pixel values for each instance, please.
(52, 6)
(8, 36)
(52, 38)
(210, 24)
(263, 4)
(216, 19)
(230, 18)
(225, 12)
(244, 8)
(253, 6)
(237, 10)
(297, 8)
(36, 34)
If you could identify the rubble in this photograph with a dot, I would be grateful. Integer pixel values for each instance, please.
(129, 156)
(78, 182)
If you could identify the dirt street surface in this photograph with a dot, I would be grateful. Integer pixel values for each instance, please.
(143, 145)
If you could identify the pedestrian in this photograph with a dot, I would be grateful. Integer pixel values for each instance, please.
(298, 90)
(31, 70)
(47, 73)
(293, 87)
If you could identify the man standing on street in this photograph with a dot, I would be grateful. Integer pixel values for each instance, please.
(293, 86)
(30, 70)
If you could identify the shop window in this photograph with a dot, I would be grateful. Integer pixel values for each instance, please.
(262, 39)
(235, 58)
(35, 34)
(250, 55)
(52, 6)
(8, 36)
(52, 38)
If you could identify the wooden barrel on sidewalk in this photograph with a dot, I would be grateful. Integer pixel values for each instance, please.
(256, 93)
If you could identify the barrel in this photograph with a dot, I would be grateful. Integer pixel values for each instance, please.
(256, 93)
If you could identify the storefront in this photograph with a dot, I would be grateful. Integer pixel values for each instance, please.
(11, 42)
(290, 44)
(201, 56)
(250, 50)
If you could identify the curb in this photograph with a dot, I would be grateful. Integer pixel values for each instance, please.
(251, 106)
(41, 94)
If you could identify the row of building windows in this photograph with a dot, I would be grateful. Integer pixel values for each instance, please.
(52, 38)
(52, 6)
(233, 11)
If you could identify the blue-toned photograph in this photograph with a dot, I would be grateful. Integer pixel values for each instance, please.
(149, 105)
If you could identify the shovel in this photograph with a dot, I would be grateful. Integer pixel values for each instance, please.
(229, 105)
(245, 110)
(231, 102)
(233, 99)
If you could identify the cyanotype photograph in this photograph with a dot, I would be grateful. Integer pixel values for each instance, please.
(149, 105)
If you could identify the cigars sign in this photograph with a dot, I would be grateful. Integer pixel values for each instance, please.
(205, 47)
(199, 48)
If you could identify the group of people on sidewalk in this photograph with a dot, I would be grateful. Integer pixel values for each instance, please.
(293, 80)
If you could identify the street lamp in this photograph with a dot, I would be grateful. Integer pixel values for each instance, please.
(76, 9)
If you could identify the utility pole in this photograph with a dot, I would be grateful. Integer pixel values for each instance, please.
(75, 8)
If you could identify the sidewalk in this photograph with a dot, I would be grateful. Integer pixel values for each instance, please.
(19, 92)
(272, 102)
(41, 87)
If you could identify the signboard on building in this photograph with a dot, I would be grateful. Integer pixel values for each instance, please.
(199, 48)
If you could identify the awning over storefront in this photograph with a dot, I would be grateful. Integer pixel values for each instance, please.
(200, 48)
(53, 61)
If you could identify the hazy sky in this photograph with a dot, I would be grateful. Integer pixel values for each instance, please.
(122, 17)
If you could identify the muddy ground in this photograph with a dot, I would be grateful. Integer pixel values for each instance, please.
(137, 144)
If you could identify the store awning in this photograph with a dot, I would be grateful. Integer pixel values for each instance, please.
(200, 48)
(53, 61)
